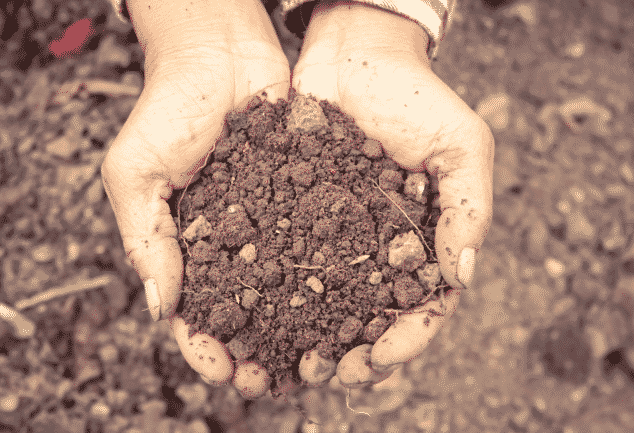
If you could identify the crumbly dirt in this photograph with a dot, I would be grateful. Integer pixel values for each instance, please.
(312, 198)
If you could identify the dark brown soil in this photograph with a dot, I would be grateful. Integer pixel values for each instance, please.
(311, 196)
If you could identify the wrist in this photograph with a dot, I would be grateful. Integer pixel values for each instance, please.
(361, 27)
(170, 31)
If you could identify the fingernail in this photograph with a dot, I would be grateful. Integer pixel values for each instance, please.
(466, 266)
(385, 368)
(153, 298)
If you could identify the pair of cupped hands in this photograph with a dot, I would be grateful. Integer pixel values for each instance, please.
(369, 62)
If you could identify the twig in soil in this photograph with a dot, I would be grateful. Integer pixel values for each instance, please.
(57, 292)
(308, 267)
(376, 185)
(246, 285)
(22, 326)
(348, 405)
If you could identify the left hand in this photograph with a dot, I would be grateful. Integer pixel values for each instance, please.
(372, 64)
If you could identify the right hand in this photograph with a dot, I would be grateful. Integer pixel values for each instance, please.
(193, 79)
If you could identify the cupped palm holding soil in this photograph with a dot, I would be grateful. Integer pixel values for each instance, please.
(195, 77)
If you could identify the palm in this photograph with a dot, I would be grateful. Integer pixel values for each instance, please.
(173, 127)
(395, 98)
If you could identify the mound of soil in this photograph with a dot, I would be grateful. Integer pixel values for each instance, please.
(293, 240)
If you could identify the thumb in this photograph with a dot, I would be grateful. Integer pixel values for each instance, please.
(465, 171)
(147, 229)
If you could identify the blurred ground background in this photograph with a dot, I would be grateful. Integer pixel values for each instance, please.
(543, 343)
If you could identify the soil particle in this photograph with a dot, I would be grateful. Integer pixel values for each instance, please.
(349, 329)
(375, 329)
(407, 292)
(287, 237)
(226, 317)
(406, 251)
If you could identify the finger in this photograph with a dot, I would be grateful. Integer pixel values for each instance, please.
(149, 236)
(465, 176)
(251, 380)
(315, 370)
(206, 355)
(355, 369)
(410, 335)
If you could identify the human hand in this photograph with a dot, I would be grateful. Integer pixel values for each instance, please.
(372, 64)
(202, 61)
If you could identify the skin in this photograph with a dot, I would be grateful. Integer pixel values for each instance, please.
(204, 59)
(372, 64)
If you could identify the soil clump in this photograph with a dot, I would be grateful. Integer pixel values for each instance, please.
(299, 235)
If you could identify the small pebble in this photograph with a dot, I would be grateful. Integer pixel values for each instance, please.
(248, 253)
(318, 258)
(284, 224)
(375, 278)
(626, 172)
(315, 284)
(306, 115)
(249, 298)
(580, 228)
(372, 148)
(9, 403)
(64, 146)
(198, 229)
(554, 267)
(406, 250)
(429, 275)
(575, 50)
(43, 254)
(269, 310)
(597, 340)
(416, 186)
(108, 353)
(100, 411)
(235, 208)
(298, 301)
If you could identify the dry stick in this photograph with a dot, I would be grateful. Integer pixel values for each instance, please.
(404, 213)
(22, 326)
(63, 291)
(246, 285)
(355, 411)
(308, 267)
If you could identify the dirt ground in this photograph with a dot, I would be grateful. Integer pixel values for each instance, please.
(543, 343)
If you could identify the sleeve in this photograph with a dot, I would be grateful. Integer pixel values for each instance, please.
(434, 16)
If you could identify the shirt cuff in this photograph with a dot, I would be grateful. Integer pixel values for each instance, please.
(434, 16)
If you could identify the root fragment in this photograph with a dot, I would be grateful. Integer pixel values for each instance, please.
(420, 234)
(246, 285)
(357, 412)
(75, 287)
